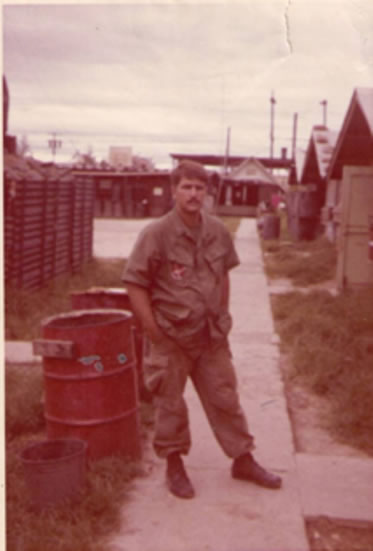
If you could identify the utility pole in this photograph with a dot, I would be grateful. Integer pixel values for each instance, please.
(294, 140)
(227, 148)
(324, 104)
(272, 130)
(54, 144)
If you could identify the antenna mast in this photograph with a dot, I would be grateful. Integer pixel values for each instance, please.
(272, 130)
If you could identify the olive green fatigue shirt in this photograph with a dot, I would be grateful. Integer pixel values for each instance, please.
(183, 271)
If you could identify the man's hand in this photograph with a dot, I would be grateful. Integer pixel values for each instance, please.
(141, 305)
(225, 293)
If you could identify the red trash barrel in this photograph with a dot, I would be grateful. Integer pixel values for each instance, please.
(90, 380)
(271, 226)
(113, 297)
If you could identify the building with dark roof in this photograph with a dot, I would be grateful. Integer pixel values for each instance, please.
(350, 192)
(239, 183)
(308, 184)
(355, 142)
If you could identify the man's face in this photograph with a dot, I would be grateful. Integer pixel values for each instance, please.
(189, 195)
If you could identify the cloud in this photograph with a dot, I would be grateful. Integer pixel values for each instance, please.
(180, 74)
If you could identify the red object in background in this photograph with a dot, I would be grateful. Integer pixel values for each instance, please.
(370, 242)
(275, 200)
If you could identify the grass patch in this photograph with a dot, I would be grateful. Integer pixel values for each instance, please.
(24, 310)
(304, 262)
(329, 339)
(330, 342)
(325, 534)
(23, 407)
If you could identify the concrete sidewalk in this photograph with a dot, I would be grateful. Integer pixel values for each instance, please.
(114, 238)
(228, 515)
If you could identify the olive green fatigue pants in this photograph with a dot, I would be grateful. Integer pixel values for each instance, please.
(166, 371)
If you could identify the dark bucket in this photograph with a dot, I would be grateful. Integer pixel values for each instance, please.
(54, 470)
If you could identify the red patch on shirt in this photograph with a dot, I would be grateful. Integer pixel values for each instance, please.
(178, 271)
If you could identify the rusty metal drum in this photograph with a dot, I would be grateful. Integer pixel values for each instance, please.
(90, 380)
(114, 297)
(271, 226)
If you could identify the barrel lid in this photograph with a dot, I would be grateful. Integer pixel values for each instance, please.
(105, 290)
(87, 318)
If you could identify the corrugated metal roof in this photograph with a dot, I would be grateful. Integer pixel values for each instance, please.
(29, 169)
(300, 158)
(252, 169)
(324, 142)
(18, 168)
(110, 173)
(354, 148)
(364, 97)
(233, 160)
(319, 154)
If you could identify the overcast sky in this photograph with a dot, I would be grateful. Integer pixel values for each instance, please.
(172, 77)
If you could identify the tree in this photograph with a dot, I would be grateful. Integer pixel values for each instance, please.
(142, 164)
(23, 146)
(86, 159)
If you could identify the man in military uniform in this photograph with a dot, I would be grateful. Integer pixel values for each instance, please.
(178, 283)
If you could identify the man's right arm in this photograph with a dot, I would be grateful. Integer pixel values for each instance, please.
(141, 305)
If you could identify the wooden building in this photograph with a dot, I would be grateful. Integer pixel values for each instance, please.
(246, 185)
(126, 194)
(232, 161)
(239, 183)
(350, 192)
(292, 197)
(308, 184)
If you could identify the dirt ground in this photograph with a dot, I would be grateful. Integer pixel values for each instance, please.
(308, 413)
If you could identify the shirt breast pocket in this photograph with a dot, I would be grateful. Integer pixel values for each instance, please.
(180, 269)
(216, 261)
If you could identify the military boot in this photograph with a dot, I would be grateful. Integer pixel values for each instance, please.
(177, 479)
(246, 468)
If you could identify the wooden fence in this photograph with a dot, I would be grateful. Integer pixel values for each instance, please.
(48, 226)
